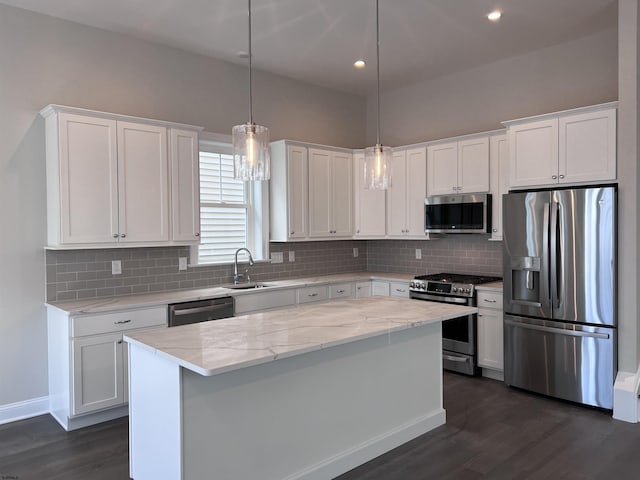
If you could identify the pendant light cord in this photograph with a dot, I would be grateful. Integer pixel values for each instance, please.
(250, 79)
(378, 68)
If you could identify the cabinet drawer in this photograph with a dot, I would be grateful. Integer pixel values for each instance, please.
(116, 322)
(487, 299)
(313, 294)
(341, 290)
(399, 289)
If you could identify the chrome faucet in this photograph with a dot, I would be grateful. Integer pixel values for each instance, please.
(236, 277)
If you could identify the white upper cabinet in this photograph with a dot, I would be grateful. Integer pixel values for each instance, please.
(405, 197)
(458, 166)
(499, 156)
(108, 179)
(143, 192)
(330, 193)
(569, 147)
(289, 192)
(369, 205)
(185, 185)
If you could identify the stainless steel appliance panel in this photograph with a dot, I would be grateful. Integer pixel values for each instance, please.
(582, 255)
(200, 311)
(564, 360)
(526, 253)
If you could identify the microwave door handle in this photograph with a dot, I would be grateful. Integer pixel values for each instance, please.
(554, 247)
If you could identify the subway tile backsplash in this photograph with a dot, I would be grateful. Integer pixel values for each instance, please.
(77, 274)
(472, 254)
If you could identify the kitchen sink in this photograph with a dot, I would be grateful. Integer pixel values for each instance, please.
(246, 286)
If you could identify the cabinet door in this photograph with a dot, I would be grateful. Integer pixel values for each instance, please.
(297, 182)
(499, 154)
(341, 195)
(379, 287)
(399, 289)
(397, 195)
(98, 374)
(490, 335)
(587, 147)
(319, 191)
(142, 183)
(370, 205)
(88, 173)
(363, 289)
(416, 191)
(473, 165)
(442, 174)
(185, 186)
(533, 153)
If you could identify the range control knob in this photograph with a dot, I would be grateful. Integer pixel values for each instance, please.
(454, 289)
(423, 286)
(467, 290)
(412, 285)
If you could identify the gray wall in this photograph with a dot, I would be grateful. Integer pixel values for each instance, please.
(44, 60)
(577, 73)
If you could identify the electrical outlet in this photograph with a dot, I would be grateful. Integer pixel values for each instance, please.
(277, 257)
(182, 263)
(418, 253)
(292, 256)
(355, 252)
(116, 267)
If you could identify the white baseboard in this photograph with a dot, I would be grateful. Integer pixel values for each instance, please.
(625, 396)
(25, 409)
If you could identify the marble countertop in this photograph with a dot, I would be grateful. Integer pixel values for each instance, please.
(107, 304)
(219, 346)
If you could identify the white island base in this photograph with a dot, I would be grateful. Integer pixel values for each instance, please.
(312, 415)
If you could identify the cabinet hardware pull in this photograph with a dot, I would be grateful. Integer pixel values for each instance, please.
(400, 290)
(123, 235)
(115, 235)
(198, 234)
(554, 176)
(480, 315)
(495, 230)
(119, 342)
(561, 176)
(292, 233)
(339, 291)
(120, 322)
(490, 301)
(312, 295)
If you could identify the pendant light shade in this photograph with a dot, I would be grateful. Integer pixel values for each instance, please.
(251, 155)
(377, 159)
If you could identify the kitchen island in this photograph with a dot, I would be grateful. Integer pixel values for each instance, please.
(304, 392)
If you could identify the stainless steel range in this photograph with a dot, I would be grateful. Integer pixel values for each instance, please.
(459, 344)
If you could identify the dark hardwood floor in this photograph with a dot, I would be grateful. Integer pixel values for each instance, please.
(492, 432)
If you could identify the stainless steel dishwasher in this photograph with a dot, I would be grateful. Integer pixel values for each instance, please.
(200, 311)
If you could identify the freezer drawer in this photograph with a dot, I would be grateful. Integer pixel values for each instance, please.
(563, 360)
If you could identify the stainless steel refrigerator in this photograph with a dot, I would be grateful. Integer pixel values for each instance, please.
(559, 258)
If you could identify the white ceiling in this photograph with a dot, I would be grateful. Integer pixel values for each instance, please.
(317, 41)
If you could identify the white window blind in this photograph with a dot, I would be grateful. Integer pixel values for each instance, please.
(224, 209)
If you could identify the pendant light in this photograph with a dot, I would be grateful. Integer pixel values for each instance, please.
(377, 159)
(251, 157)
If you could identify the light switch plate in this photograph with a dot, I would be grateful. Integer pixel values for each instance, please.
(292, 256)
(277, 257)
(116, 267)
(418, 253)
(355, 252)
(182, 263)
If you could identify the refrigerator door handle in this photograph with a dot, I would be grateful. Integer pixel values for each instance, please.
(554, 247)
(545, 249)
(558, 331)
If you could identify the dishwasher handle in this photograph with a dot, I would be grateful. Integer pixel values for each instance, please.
(190, 311)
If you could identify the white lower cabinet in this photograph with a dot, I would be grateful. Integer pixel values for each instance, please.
(380, 287)
(341, 290)
(490, 333)
(88, 381)
(269, 300)
(399, 289)
(313, 294)
(363, 289)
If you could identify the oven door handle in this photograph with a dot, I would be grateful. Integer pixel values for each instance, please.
(456, 359)
(441, 298)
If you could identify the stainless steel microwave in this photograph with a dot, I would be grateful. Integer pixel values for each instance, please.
(464, 213)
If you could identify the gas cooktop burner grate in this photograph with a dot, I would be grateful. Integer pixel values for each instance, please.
(458, 278)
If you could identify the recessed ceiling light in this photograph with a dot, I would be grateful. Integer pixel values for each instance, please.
(495, 15)
(359, 64)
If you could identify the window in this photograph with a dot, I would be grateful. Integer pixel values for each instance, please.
(231, 211)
